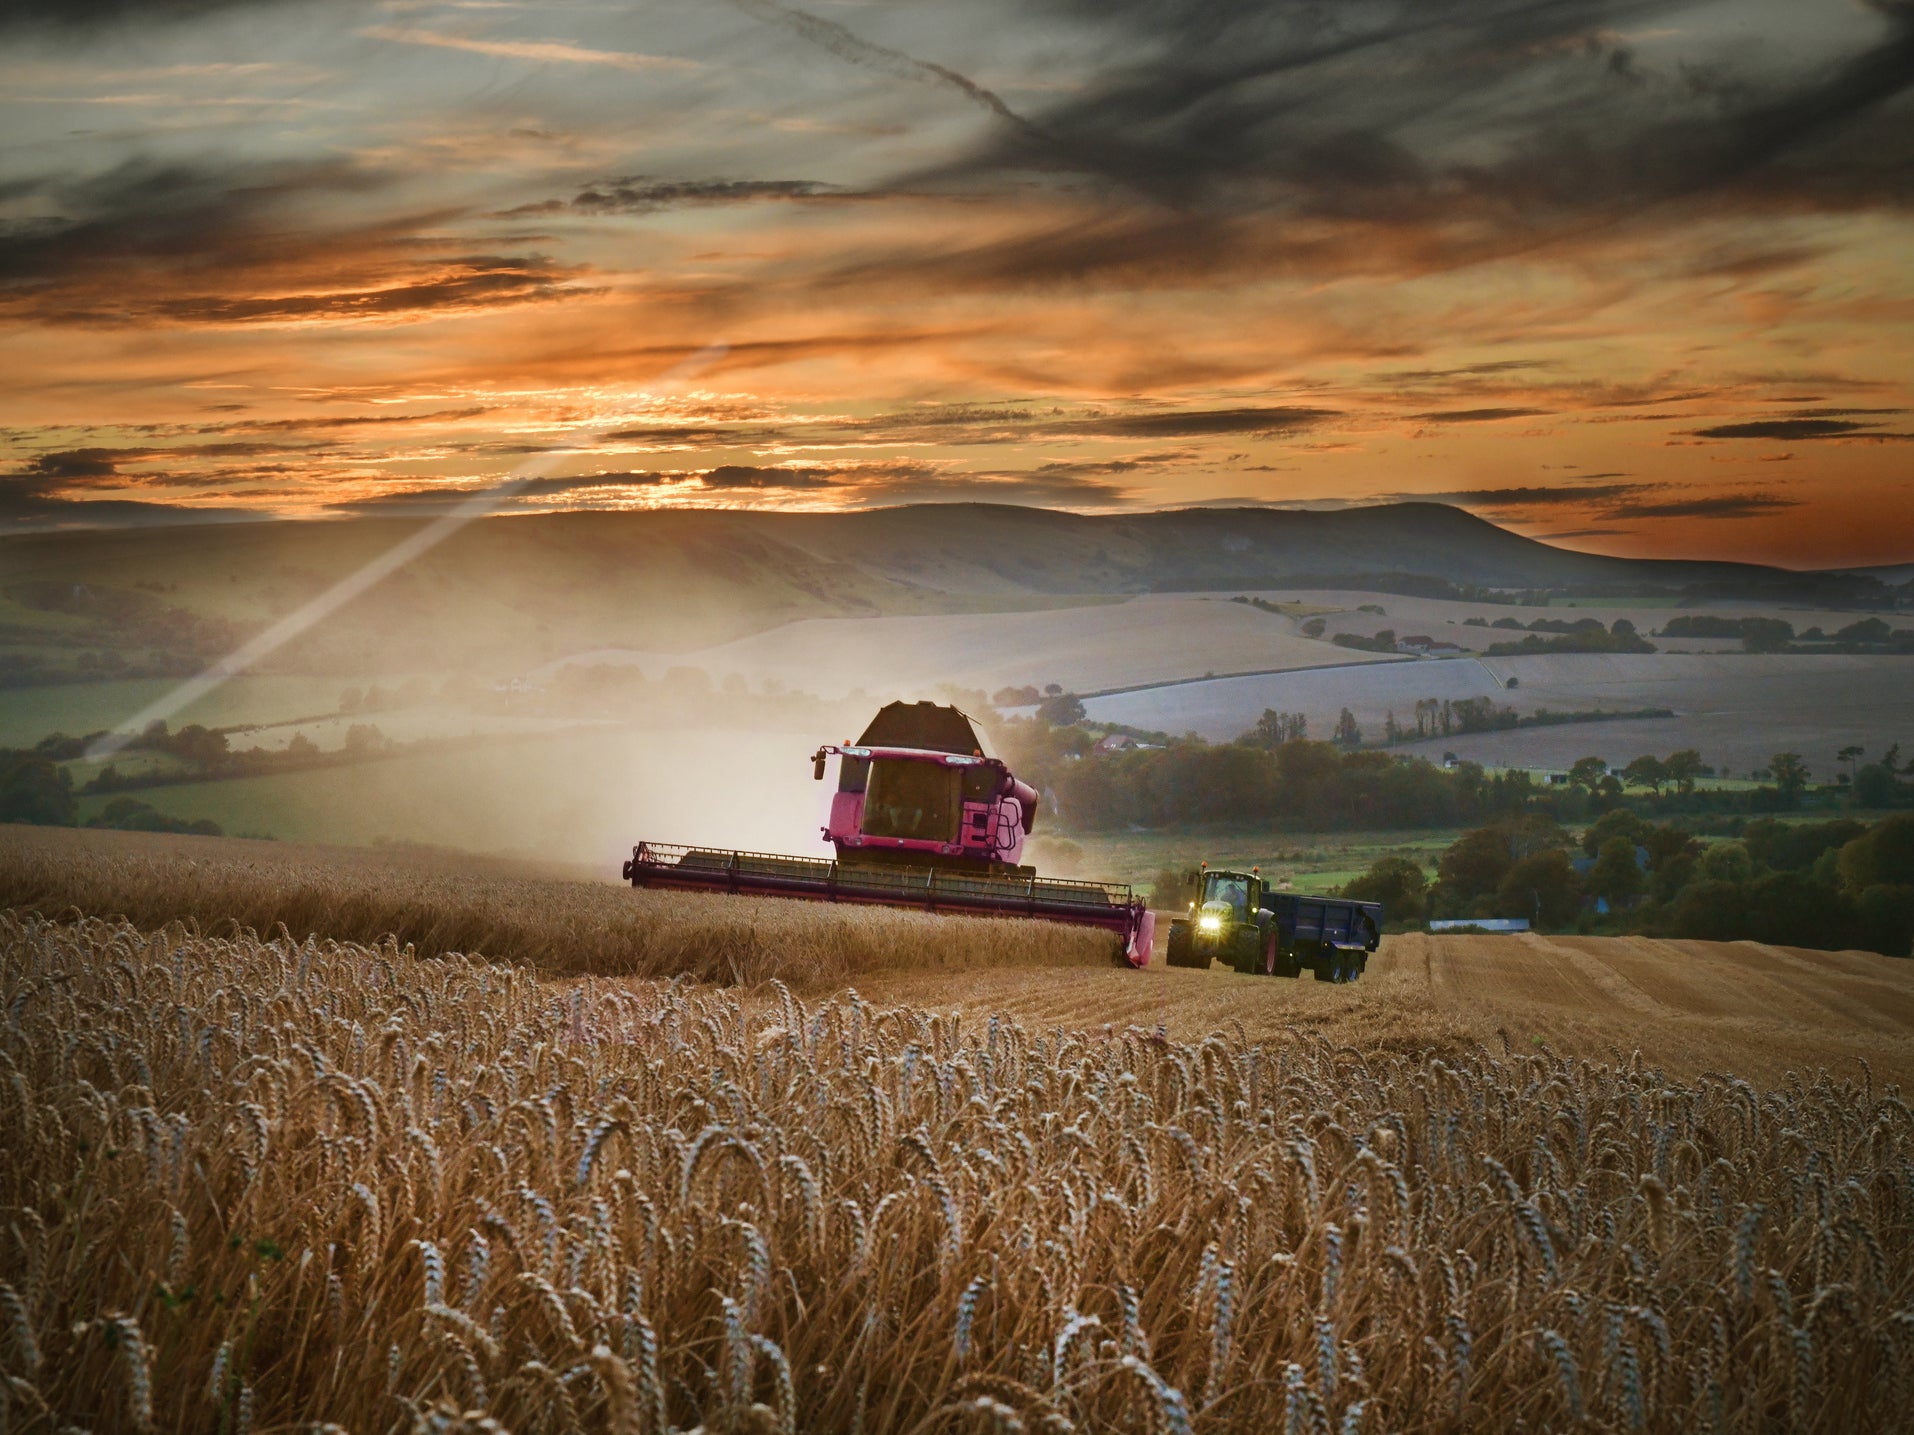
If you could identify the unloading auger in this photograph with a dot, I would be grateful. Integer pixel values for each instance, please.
(921, 819)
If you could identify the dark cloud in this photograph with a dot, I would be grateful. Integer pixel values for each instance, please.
(90, 14)
(695, 436)
(1527, 497)
(76, 465)
(1289, 137)
(179, 243)
(847, 45)
(1477, 416)
(1111, 466)
(1727, 505)
(346, 421)
(1798, 428)
(1189, 423)
(433, 499)
(642, 194)
(991, 424)
(462, 284)
(732, 475)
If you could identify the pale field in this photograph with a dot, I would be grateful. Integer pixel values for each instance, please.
(1153, 638)
(1221, 708)
(1423, 615)
(1445, 620)
(1737, 709)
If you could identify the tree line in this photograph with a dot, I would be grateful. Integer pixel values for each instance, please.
(1275, 775)
(1830, 885)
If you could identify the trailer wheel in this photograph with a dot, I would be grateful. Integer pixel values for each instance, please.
(1177, 952)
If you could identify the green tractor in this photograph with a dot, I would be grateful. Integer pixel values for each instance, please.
(1237, 919)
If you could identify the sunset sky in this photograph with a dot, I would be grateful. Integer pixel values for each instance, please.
(1634, 277)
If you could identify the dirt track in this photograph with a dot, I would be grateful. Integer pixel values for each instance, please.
(1756, 1011)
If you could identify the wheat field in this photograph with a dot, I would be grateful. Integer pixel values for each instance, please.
(548, 917)
(265, 1184)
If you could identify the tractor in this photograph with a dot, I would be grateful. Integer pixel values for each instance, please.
(1240, 920)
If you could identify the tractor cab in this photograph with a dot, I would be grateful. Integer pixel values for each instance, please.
(1236, 894)
(1226, 912)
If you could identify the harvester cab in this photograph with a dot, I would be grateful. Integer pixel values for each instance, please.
(1241, 920)
(917, 787)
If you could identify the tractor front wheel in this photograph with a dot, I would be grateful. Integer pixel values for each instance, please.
(1180, 951)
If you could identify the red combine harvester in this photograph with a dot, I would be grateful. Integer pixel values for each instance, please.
(921, 818)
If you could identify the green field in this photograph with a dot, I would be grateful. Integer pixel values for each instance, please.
(29, 714)
(1326, 860)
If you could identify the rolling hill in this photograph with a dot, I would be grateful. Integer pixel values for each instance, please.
(506, 592)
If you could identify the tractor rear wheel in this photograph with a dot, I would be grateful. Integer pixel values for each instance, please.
(1277, 962)
(1179, 951)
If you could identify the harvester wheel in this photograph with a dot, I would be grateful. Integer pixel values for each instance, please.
(1179, 951)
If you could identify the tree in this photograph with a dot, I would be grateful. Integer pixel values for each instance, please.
(1397, 883)
(1682, 768)
(1885, 853)
(1273, 729)
(1391, 732)
(1543, 888)
(1725, 862)
(1173, 891)
(1884, 918)
(1790, 776)
(1347, 734)
(1588, 772)
(1617, 822)
(1616, 875)
(1646, 771)
(35, 789)
(1472, 867)
(1064, 710)
(1766, 635)
(1851, 755)
(363, 739)
(1868, 630)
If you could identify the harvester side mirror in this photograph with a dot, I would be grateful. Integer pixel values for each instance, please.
(817, 768)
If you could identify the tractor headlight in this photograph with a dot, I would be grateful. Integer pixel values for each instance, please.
(1210, 923)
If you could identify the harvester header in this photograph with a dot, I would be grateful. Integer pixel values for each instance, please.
(922, 817)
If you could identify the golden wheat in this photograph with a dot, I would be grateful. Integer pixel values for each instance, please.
(265, 1185)
(441, 903)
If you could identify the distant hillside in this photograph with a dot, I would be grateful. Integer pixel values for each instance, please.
(501, 593)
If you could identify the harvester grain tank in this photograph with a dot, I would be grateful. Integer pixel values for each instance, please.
(1239, 919)
(921, 818)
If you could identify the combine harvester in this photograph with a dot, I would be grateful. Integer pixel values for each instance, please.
(921, 819)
